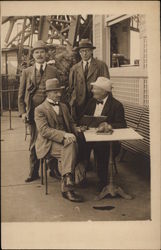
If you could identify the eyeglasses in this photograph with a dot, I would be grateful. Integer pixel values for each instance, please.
(85, 50)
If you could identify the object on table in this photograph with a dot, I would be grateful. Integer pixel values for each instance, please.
(92, 121)
(104, 128)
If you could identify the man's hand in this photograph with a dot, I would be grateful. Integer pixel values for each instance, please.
(24, 117)
(69, 137)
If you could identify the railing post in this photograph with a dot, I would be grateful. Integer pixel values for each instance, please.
(9, 108)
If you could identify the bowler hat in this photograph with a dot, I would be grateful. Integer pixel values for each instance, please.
(39, 45)
(103, 83)
(53, 84)
(85, 43)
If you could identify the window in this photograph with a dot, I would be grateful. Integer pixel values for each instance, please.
(125, 42)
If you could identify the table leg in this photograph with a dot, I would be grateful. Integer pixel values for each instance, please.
(111, 188)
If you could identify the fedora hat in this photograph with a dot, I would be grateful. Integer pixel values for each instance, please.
(53, 84)
(85, 43)
(103, 83)
(39, 45)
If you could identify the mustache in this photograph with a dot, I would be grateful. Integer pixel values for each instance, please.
(39, 57)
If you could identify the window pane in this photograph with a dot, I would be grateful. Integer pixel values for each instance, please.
(125, 43)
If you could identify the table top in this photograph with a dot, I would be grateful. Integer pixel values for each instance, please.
(117, 135)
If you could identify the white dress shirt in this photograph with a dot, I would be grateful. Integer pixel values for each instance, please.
(56, 107)
(99, 107)
(38, 65)
(85, 62)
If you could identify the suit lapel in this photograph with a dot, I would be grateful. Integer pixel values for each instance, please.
(80, 70)
(33, 74)
(51, 111)
(92, 67)
(65, 118)
(106, 108)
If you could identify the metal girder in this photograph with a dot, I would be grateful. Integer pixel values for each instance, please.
(18, 34)
(59, 34)
(12, 22)
(43, 29)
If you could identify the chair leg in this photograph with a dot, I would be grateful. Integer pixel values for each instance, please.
(41, 166)
(46, 179)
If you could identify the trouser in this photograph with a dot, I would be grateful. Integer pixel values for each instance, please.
(68, 156)
(34, 162)
(101, 154)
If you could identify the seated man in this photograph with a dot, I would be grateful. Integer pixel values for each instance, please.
(56, 136)
(104, 104)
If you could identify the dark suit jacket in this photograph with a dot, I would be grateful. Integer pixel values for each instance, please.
(77, 85)
(113, 109)
(46, 122)
(29, 80)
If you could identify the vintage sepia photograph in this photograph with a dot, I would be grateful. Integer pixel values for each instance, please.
(77, 118)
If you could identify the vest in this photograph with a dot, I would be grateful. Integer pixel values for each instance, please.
(61, 123)
(39, 95)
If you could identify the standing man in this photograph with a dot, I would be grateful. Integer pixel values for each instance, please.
(104, 104)
(56, 136)
(81, 75)
(31, 94)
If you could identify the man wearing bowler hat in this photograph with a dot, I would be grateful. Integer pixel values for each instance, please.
(31, 94)
(82, 74)
(57, 136)
(112, 111)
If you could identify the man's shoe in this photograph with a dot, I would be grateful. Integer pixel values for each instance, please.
(67, 179)
(71, 196)
(55, 173)
(33, 178)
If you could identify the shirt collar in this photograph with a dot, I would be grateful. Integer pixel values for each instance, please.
(104, 100)
(38, 66)
(89, 61)
(49, 100)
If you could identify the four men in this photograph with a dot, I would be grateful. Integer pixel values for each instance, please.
(52, 126)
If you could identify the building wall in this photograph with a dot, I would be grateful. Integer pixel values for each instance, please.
(130, 83)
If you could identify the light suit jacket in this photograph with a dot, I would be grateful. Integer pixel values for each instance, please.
(77, 85)
(47, 125)
(30, 80)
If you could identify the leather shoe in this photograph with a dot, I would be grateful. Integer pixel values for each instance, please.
(33, 178)
(71, 196)
(67, 179)
(55, 173)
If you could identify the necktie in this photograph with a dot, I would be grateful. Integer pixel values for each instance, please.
(41, 70)
(86, 71)
(99, 102)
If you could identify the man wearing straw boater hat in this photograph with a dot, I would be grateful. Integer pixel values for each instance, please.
(82, 74)
(31, 94)
(56, 136)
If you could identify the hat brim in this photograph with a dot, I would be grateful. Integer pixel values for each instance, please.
(45, 48)
(60, 88)
(88, 47)
(97, 85)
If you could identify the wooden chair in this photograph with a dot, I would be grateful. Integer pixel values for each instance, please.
(44, 166)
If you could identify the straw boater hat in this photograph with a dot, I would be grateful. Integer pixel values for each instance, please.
(39, 45)
(53, 84)
(85, 43)
(103, 83)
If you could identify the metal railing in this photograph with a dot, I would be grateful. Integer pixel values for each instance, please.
(9, 91)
